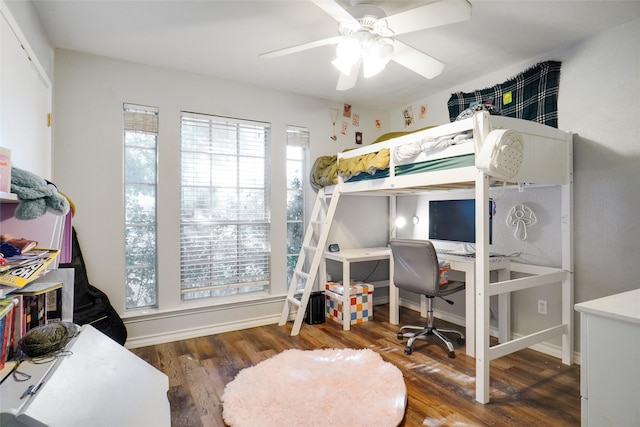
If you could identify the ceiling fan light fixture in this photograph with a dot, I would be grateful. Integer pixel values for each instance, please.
(376, 57)
(367, 37)
(371, 66)
(348, 53)
(349, 49)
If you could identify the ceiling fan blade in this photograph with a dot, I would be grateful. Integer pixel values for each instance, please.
(436, 14)
(416, 61)
(347, 81)
(301, 47)
(333, 9)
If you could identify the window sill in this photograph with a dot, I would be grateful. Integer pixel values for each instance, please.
(204, 305)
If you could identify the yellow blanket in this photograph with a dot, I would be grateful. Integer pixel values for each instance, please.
(326, 169)
(366, 163)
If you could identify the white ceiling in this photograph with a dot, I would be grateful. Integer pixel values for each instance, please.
(224, 38)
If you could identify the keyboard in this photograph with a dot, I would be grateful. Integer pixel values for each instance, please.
(456, 253)
(448, 253)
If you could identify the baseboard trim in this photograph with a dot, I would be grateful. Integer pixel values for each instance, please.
(162, 338)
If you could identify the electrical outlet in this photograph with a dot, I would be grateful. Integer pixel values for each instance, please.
(542, 306)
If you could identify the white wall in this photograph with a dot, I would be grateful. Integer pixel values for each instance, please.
(25, 89)
(599, 89)
(89, 93)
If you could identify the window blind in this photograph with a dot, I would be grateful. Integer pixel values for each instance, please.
(140, 119)
(225, 206)
(298, 136)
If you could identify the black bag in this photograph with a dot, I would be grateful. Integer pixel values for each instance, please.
(91, 305)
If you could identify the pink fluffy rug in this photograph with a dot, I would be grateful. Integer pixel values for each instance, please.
(331, 387)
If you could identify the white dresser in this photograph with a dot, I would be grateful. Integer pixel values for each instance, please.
(610, 368)
(96, 383)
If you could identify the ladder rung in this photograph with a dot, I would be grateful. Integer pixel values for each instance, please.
(301, 274)
(295, 301)
(317, 222)
(310, 248)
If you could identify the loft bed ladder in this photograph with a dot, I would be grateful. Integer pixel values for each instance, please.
(310, 256)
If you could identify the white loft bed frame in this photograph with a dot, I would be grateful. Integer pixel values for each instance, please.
(548, 160)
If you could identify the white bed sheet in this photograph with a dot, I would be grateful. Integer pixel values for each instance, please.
(432, 148)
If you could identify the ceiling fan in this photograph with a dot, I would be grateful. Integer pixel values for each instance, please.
(367, 37)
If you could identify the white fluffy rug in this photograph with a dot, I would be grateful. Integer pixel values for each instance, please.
(331, 387)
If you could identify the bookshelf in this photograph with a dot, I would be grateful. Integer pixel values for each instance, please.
(8, 197)
(47, 230)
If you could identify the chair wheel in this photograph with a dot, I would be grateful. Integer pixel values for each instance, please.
(452, 355)
(400, 336)
(407, 350)
(460, 340)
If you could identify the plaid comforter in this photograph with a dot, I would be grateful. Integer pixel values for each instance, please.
(531, 95)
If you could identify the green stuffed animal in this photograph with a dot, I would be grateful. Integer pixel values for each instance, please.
(36, 195)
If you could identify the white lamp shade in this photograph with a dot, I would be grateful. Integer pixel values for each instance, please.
(376, 57)
(348, 48)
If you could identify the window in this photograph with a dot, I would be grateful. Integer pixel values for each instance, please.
(140, 189)
(297, 148)
(225, 217)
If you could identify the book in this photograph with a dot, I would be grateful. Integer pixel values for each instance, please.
(9, 340)
(13, 343)
(6, 309)
(5, 170)
(6, 304)
(4, 332)
(25, 245)
(19, 328)
(47, 307)
(53, 305)
(21, 260)
(34, 311)
(31, 268)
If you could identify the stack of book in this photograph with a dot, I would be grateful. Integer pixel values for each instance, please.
(8, 311)
(20, 270)
(36, 304)
(25, 304)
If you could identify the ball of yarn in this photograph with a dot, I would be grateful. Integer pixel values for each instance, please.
(47, 339)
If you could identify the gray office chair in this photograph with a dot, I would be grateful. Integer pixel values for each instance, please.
(416, 269)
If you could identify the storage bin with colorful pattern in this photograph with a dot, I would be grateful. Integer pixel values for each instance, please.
(361, 298)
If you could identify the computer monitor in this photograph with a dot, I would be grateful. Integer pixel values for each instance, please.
(455, 220)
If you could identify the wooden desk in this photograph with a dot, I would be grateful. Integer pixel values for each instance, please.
(346, 257)
(467, 266)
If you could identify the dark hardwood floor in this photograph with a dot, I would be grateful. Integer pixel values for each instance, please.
(528, 388)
